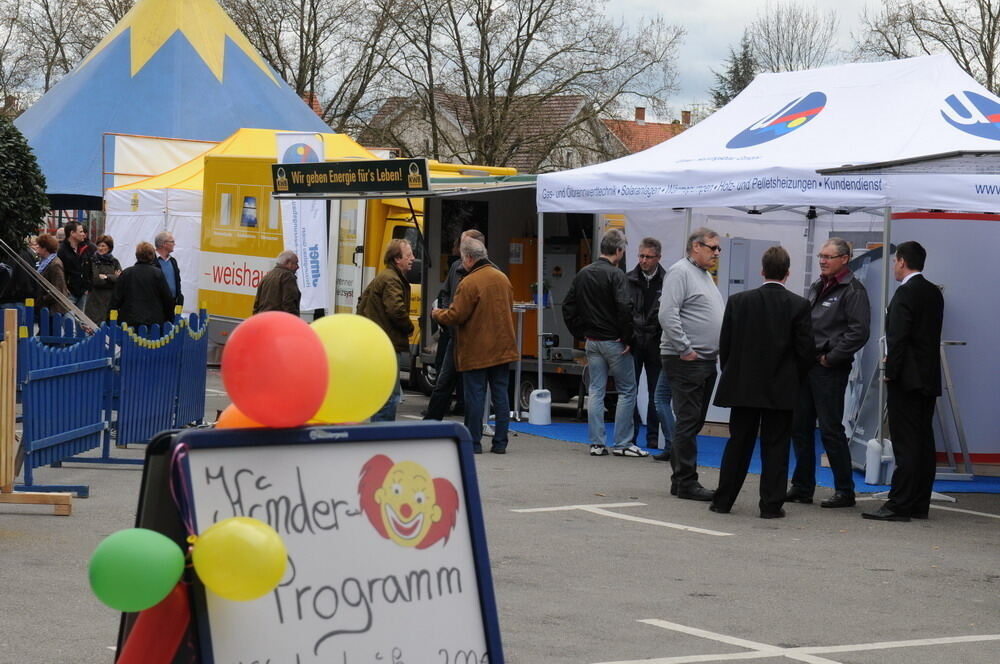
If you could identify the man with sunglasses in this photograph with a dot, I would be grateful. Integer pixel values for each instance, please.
(691, 309)
(841, 323)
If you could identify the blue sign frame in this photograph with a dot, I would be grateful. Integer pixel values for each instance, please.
(152, 493)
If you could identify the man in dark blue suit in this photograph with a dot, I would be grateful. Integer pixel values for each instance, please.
(766, 349)
(913, 378)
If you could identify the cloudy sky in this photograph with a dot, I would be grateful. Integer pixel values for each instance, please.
(715, 25)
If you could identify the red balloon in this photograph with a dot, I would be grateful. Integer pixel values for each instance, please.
(275, 369)
(233, 418)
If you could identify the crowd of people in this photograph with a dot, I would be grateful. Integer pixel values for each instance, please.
(78, 273)
(785, 364)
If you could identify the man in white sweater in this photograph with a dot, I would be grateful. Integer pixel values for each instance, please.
(691, 309)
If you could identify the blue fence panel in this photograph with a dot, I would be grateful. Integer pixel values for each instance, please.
(194, 359)
(148, 378)
(63, 402)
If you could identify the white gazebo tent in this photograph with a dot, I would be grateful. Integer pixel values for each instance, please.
(765, 148)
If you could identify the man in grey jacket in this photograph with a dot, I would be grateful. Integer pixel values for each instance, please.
(840, 321)
(691, 309)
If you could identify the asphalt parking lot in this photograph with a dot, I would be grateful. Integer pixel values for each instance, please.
(594, 562)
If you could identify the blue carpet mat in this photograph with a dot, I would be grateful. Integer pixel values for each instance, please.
(710, 454)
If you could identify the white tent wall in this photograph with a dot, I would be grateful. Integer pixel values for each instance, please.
(134, 158)
(137, 215)
(971, 314)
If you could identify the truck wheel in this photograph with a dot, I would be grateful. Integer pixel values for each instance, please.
(524, 391)
(422, 378)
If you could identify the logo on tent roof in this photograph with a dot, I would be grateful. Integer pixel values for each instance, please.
(974, 114)
(793, 115)
(299, 153)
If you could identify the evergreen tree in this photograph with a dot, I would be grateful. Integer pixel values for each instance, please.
(740, 70)
(23, 202)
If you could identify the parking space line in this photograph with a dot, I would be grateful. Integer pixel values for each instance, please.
(565, 508)
(808, 654)
(601, 510)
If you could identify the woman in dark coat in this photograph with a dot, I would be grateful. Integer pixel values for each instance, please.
(51, 269)
(142, 296)
(104, 272)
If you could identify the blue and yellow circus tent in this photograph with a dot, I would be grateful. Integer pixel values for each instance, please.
(170, 68)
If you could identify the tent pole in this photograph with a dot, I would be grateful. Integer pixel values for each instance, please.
(687, 231)
(886, 223)
(540, 293)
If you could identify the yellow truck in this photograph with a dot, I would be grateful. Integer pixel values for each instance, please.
(235, 254)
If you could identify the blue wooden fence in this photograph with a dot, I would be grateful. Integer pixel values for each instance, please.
(80, 391)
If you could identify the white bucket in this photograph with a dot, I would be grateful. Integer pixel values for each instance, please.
(540, 407)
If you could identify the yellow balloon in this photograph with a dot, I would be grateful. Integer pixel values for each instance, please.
(362, 365)
(240, 558)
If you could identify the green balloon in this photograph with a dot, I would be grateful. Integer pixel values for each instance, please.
(134, 569)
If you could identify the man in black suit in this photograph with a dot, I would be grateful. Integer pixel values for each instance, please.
(913, 377)
(766, 349)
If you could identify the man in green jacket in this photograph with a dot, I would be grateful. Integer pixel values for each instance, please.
(387, 302)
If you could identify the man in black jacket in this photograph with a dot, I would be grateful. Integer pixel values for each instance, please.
(76, 263)
(766, 349)
(645, 282)
(913, 378)
(841, 317)
(598, 309)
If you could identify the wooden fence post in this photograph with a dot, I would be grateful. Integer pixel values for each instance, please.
(61, 502)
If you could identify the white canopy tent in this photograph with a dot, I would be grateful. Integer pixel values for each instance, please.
(763, 150)
(765, 147)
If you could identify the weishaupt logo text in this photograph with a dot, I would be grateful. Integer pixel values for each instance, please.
(791, 116)
(974, 114)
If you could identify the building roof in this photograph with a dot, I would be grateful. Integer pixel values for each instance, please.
(540, 119)
(638, 135)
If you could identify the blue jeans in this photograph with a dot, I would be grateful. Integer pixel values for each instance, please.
(474, 382)
(664, 408)
(387, 413)
(603, 358)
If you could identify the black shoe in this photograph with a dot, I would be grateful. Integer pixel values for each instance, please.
(695, 493)
(919, 515)
(884, 514)
(662, 456)
(796, 497)
(718, 510)
(496, 449)
(673, 489)
(477, 449)
(780, 514)
(839, 499)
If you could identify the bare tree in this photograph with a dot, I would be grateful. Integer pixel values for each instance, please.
(968, 30)
(13, 58)
(789, 36)
(335, 50)
(493, 66)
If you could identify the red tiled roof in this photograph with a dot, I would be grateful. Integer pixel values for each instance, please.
(639, 136)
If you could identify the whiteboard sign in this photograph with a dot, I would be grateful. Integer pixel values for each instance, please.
(387, 559)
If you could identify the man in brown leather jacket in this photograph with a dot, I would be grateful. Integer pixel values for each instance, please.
(481, 311)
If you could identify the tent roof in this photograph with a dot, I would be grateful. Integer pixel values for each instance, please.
(766, 146)
(244, 143)
(169, 68)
